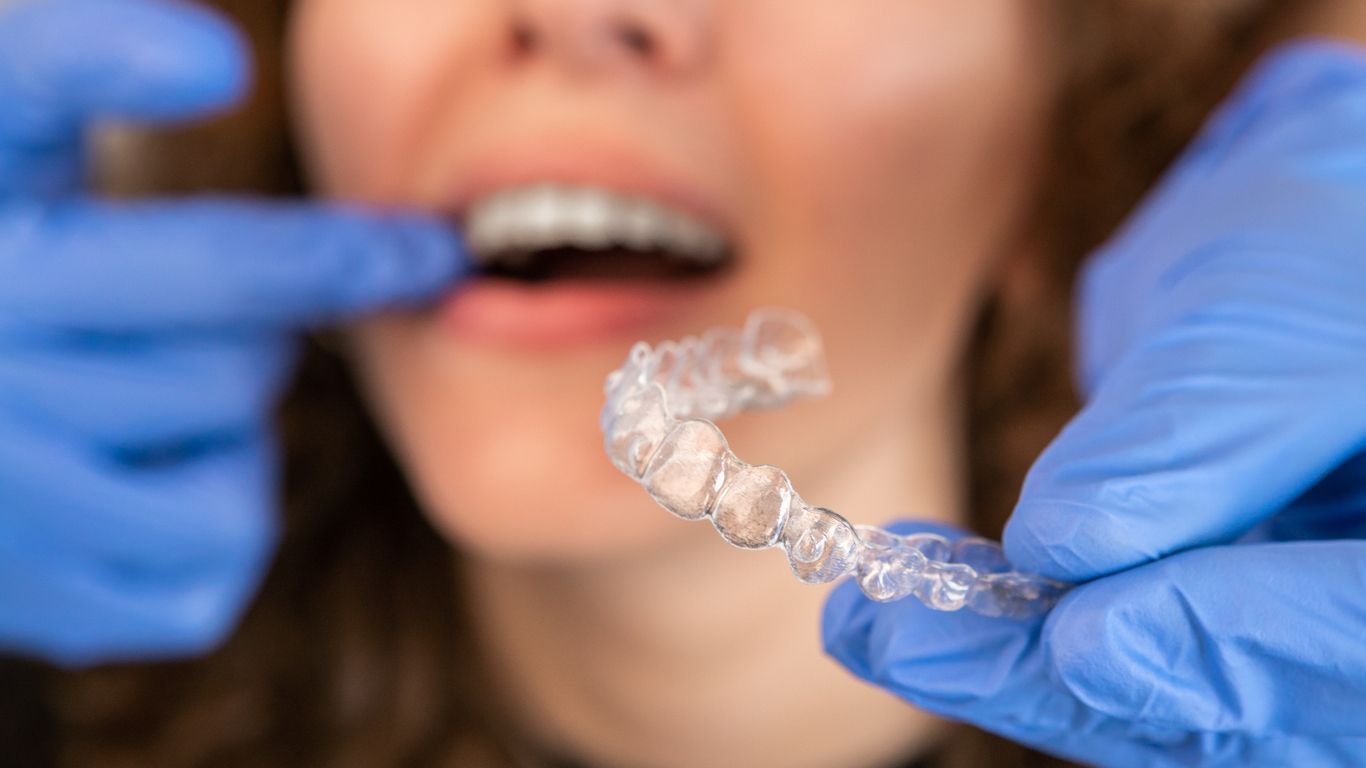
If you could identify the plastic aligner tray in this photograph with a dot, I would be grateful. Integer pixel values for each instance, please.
(658, 430)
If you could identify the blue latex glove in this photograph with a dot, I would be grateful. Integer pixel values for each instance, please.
(1212, 493)
(143, 345)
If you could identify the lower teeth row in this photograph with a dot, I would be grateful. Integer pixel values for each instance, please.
(657, 428)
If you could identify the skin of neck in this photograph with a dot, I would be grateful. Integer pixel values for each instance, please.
(702, 654)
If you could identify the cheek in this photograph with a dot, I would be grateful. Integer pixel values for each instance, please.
(897, 159)
(919, 121)
(366, 80)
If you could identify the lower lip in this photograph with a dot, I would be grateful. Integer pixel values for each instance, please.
(566, 312)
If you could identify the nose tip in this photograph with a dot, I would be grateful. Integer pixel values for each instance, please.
(663, 37)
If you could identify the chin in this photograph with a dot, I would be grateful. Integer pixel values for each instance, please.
(531, 529)
(502, 503)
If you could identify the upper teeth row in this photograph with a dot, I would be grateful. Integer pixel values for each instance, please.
(543, 216)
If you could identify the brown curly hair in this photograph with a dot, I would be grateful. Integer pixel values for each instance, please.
(356, 651)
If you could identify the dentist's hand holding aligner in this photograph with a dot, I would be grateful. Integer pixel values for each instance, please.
(143, 345)
(1212, 493)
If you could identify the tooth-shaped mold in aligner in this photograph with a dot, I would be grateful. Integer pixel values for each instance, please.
(657, 429)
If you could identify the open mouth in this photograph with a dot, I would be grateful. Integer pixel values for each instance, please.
(544, 232)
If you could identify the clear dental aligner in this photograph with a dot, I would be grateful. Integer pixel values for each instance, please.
(658, 430)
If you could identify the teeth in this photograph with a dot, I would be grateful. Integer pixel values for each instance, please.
(546, 216)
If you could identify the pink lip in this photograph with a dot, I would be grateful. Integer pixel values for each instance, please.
(564, 313)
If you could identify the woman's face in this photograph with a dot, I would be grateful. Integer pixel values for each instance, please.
(866, 162)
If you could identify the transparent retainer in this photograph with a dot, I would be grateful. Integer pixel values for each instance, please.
(658, 430)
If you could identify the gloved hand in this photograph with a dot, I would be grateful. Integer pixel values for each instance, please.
(143, 345)
(1212, 494)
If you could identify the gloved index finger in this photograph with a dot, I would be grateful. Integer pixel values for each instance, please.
(1304, 104)
(209, 264)
(64, 62)
(1230, 309)
(1215, 422)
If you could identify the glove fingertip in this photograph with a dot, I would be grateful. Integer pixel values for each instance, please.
(137, 59)
(1076, 638)
(1099, 642)
(223, 71)
(407, 258)
(440, 254)
(200, 63)
(1062, 540)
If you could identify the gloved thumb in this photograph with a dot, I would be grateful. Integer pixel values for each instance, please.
(1256, 638)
